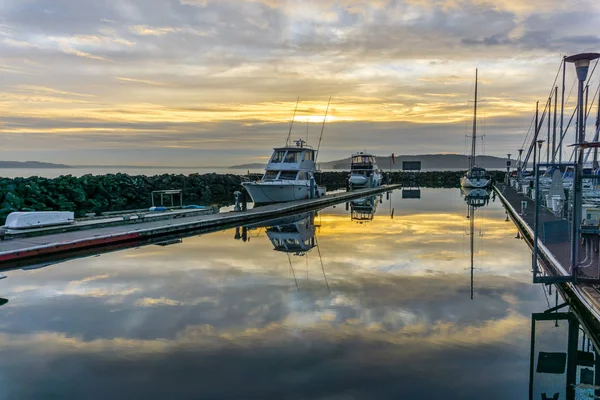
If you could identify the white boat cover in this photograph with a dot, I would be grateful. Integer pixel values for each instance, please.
(37, 219)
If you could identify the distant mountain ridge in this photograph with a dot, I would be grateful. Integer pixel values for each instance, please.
(31, 164)
(428, 161)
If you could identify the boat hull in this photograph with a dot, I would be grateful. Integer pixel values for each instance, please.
(478, 183)
(268, 193)
(361, 181)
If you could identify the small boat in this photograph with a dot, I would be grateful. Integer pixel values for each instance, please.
(289, 176)
(364, 171)
(476, 177)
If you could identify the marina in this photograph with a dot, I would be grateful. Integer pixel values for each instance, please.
(310, 200)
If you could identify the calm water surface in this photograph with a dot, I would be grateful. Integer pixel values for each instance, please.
(355, 309)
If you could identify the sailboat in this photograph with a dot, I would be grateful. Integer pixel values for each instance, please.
(476, 177)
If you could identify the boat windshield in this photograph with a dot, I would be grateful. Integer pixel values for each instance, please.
(277, 156)
(478, 173)
(290, 175)
(360, 162)
(292, 157)
(270, 175)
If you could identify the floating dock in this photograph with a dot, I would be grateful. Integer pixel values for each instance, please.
(555, 257)
(24, 249)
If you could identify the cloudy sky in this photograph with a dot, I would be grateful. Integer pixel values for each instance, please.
(207, 82)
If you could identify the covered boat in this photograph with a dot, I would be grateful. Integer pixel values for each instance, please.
(38, 219)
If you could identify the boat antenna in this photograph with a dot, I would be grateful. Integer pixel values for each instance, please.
(287, 141)
(322, 128)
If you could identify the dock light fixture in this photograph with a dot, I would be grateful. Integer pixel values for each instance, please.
(582, 64)
(508, 170)
(519, 165)
(535, 151)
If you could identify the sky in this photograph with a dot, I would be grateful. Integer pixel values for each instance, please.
(215, 82)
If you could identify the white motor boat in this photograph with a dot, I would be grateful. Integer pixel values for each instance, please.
(364, 171)
(289, 176)
(476, 177)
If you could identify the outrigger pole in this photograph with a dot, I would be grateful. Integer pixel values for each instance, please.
(322, 128)
(287, 141)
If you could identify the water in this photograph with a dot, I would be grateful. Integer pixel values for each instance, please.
(374, 309)
(80, 171)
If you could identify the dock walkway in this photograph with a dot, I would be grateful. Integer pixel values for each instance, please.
(19, 249)
(555, 254)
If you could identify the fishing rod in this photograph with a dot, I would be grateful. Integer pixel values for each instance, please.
(287, 141)
(322, 128)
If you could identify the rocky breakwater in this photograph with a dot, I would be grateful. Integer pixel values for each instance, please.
(112, 192)
(116, 192)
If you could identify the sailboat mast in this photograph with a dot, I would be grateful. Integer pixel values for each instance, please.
(472, 232)
(474, 136)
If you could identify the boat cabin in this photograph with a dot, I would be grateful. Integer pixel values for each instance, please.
(291, 163)
(362, 161)
(362, 164)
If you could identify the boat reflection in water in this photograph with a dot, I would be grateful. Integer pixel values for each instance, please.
(363, 210)
(291, 234)
(475, 198)
(564, 358)
(294, 235)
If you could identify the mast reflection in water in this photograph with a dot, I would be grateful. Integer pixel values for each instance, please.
(474, 198)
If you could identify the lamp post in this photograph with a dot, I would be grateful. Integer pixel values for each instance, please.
(519, 165)
(582, 63)
(508, 170)
(535, 160)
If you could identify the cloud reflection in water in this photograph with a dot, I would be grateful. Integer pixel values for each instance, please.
(215, 317)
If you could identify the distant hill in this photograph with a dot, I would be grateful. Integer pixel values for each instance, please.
(249, 166)
(30, 164)
(428, 161)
